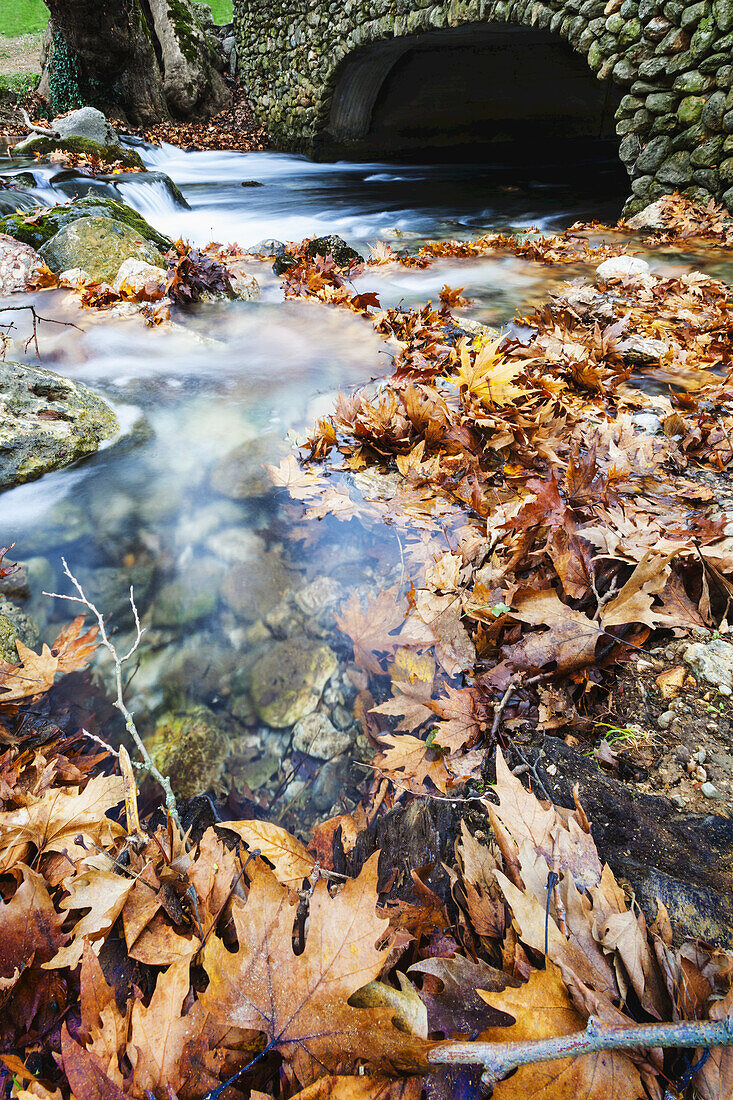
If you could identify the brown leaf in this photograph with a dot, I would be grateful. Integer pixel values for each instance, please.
(30, 927)
(291, 860)
(300, 1002)
(542, 1009)
(103, 893)
(412, 761)
(371, 628)
(85, 1074)
(570, 641)
(714, 1081)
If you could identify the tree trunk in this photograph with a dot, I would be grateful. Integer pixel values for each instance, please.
(146, 58)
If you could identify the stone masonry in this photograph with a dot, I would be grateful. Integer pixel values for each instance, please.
(673, 62)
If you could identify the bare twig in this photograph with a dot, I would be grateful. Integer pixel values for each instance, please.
(33, 338)
(499, 1059)
(147, 764)
(37, 129)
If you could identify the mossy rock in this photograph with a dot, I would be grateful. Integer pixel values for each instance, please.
(98, 246)
(108, 154)
(46, 422)
(15, 625)
(47, 224)
(190, 748)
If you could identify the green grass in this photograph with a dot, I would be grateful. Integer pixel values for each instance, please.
(30, 16)
(22, 17)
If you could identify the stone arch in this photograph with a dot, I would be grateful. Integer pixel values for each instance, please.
(673, 62)
(465, 86)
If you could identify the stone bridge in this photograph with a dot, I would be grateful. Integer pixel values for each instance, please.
(392, 78)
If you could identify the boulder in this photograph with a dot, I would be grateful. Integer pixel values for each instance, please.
(87, 123)
(79, 146)
(621, 267)
(288, 680)
(344, 255)
(242, 473)
(137, 274)
(74, 278)
(47, 223)
(46, 422)
(19, 266)
(99, 246)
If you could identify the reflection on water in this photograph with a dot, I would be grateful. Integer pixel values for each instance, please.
(237, 594)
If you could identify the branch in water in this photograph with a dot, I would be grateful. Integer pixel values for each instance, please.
(33, 338)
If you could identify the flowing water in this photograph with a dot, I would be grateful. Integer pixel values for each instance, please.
(232, 587)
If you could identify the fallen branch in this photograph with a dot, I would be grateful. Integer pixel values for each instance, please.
(42, 130)
(499, 1059)
(145, 764)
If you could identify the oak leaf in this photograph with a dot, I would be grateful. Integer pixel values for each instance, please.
(300, 1002)
(570, 641)
(103, 894)
(371, 628)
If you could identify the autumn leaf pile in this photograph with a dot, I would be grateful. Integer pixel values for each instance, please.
(545, 532)
(138, 964)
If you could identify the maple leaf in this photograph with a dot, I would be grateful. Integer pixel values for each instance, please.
(358, 1088)
(633, 603)
(85, 1072)
(488, 377)
(290, 475)
(410, 702)
(371, 627)
(412, 761)
(36, 672)
(462, 717)
(542, 1009)
(300, 1002)
(291, 860)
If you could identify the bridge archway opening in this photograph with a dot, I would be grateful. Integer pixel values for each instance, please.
(491, 93)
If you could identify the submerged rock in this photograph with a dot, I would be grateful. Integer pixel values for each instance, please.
(46, 422)
(19, 266)
(242, 473)
(100, 246)
(47, 223)
(191, 748)
(185, 600)
(288, 680)
(252, 589)
(317, 736)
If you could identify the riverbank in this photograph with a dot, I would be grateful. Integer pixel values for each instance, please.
(501, 537)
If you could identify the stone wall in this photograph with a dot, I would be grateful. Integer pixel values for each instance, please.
(673, 62)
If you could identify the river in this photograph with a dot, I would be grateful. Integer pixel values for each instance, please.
(223, 577)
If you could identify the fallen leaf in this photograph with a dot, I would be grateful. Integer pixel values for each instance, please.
(291, 860)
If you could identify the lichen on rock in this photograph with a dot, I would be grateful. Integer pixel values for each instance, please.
(46, 422)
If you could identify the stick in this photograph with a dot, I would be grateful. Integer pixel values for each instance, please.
(499, 1059)
(147, 764)
(37, 129)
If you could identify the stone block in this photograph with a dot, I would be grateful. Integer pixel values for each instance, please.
(675, 170)
(690, 109)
